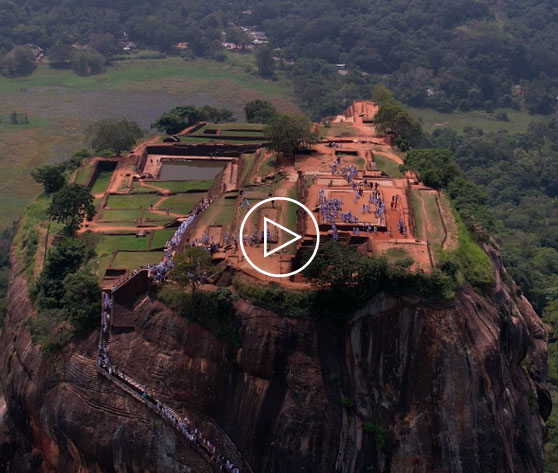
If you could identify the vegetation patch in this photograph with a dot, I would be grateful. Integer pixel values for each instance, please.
(214, 310)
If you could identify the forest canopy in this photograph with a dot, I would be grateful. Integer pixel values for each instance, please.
(446, 55)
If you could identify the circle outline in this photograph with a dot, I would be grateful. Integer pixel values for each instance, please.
(292, 273)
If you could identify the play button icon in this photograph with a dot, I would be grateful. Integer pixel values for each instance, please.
(279, 241)
(267, 232)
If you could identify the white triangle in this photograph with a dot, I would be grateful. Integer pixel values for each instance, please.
(290, 232)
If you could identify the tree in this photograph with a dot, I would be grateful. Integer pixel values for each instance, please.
(265, 61)
(113, 134)
(259, 111)
(381, 95)
(191, 268)
(86, 62)
(178, 118)
(70, 205)
(20, 61)
(51, 176)
(288, 133)
(60, 55)
(81, 299)
(64, 258)
(434, 166)
(104, 43)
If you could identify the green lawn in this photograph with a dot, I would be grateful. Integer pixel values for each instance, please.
(160, 237)
(132, 216)
(426, 202)
(251, 133)
(254, 127)
(109, 243)
(387, 165)
(133, 201)
(175, 186)
(431, 119)
(196, 139)
(182, 203)
(338, 129)
(101, 183)
(84, 173)
(267, 167)
(131, 261)
(221, 212)
(247, 164)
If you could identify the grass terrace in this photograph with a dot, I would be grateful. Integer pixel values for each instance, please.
(160, 237)
(101, 182)
(133, 217)
(132, 201)
(221, 212)
(174, 186)
(427, 215)
(135, 260)
(84, 173)
(182, 203)
(387, 165)
(338, 130)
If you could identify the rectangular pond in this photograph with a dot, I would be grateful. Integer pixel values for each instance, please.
(190, 170)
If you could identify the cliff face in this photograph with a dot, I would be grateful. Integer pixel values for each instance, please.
(454, 389)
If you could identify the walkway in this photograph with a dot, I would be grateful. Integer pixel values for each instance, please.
(135, 389)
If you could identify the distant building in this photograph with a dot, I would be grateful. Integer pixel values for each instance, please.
(181, 45)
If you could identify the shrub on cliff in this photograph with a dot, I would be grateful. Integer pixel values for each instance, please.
(214, 310)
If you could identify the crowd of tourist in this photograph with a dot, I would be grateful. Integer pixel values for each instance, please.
(160, 272)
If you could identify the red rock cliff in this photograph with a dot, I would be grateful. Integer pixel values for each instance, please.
(458, 388)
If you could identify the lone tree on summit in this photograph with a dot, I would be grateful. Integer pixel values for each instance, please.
(191, 268)
(113, 134)
(288, 133)
(70, 205)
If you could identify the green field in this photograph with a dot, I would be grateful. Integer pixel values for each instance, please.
(431, 119)
(84, 173)
(109, 243)
(160, 237)
(132, 201)
(136, 260)
(175, 186)
(267, 167)
(182, 203)
(221, 212)
(101, 182)
(387, 165)
(338, 129)
(244, 126)
(61, 105)
(427, 215)
(132, 216)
